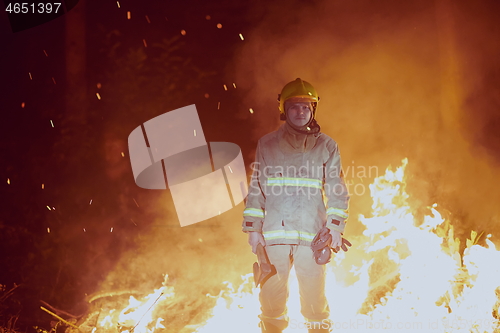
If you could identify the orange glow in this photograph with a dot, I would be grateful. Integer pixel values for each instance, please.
(408, 276)
(138, 315)
(403, 273)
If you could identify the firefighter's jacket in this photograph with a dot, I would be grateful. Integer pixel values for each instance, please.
(292, 195)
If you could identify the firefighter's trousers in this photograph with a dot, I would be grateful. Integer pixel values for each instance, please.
(311, 280)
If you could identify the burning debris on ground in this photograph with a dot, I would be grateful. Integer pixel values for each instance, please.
(402, 273)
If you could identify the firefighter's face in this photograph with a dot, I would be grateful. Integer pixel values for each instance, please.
(299, 113)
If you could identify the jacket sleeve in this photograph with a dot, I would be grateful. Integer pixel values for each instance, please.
(337, 196)
(253, 215)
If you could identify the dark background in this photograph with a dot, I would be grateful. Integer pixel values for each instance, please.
(417, 79)
(80, 158)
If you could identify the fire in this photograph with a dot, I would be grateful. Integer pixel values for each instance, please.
(411, 276)
(402, 274)
(139, 315)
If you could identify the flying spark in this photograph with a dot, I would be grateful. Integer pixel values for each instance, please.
(123, 154)
(98, 96)
(234, 85)
(84, 230)
(194, 132)
(99, 85)
(183, 32)
(31, 77)
(53, 80)
(241, 36)
(90, 203)
(118, 4)
(225, 87)
(219, 25)
(51, 123)
(136, 202)
(111, 229)
(128, 15)
(48, 230)
(144, 42)
(45, 53)
(43, 186)
(48, 208)
(251, 110)
(147, 19)
(8, 181)
(218, 105)
(23, 105)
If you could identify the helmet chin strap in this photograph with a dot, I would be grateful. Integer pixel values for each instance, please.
(312, 127)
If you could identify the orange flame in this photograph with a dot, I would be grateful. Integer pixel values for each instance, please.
(401, 275)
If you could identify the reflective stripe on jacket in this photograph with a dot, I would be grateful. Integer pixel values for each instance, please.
(293, 195)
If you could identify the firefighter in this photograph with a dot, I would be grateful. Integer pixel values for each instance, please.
(296, 191)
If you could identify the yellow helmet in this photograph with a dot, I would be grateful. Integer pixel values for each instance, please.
(299, 89)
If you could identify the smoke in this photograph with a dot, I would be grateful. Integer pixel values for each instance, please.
(396, 79)
(197, 259)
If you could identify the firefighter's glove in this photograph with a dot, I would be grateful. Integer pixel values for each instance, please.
(345, 246)
(254, 238)
(321, 246)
